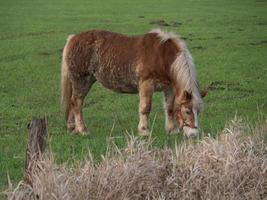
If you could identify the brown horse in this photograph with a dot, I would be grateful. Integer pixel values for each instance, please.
(156, 61)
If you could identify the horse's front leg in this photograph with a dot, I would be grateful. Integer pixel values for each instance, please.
(170, 125)
(146, 89)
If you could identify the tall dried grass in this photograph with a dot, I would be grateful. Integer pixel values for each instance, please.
(232, 166)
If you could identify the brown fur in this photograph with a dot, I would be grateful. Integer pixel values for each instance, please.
(125, 64)
(118, 61)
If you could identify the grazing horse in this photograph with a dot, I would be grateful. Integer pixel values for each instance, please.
(156, 61)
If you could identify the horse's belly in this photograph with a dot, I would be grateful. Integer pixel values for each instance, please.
(119, 79)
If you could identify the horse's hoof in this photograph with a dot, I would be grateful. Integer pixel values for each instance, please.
(70, 127)
(173, 131)
(83, 131)
(144, 132)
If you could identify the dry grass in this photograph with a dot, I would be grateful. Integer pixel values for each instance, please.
(233, 166)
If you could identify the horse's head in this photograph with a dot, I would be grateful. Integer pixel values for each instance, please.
(186, 113)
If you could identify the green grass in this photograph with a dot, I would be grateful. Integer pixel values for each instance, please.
(228, 40)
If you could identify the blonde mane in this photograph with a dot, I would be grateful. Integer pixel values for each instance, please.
(183, 68)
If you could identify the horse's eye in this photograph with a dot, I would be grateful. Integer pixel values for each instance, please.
(188, 112)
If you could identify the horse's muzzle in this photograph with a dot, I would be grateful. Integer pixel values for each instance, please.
(190, 132)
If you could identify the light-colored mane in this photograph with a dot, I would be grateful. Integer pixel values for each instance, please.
(183, 68)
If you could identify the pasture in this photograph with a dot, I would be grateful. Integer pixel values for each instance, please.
(226, 38)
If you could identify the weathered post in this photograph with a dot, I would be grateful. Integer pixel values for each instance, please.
(36, 145)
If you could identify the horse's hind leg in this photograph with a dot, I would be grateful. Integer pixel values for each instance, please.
(71, 121)
(80, 88)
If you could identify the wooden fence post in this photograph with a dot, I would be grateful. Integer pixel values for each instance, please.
(36, 145)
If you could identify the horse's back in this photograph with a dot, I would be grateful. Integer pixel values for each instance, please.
(119, 61)
(109, 57)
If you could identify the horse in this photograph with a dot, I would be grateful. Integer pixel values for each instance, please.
(143, 64)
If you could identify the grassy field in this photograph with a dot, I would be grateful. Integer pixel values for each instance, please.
(228, 40)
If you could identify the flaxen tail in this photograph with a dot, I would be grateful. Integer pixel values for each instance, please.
(66, 87)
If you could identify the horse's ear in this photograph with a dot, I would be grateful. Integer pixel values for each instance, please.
(187, 95)
(203, 93)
